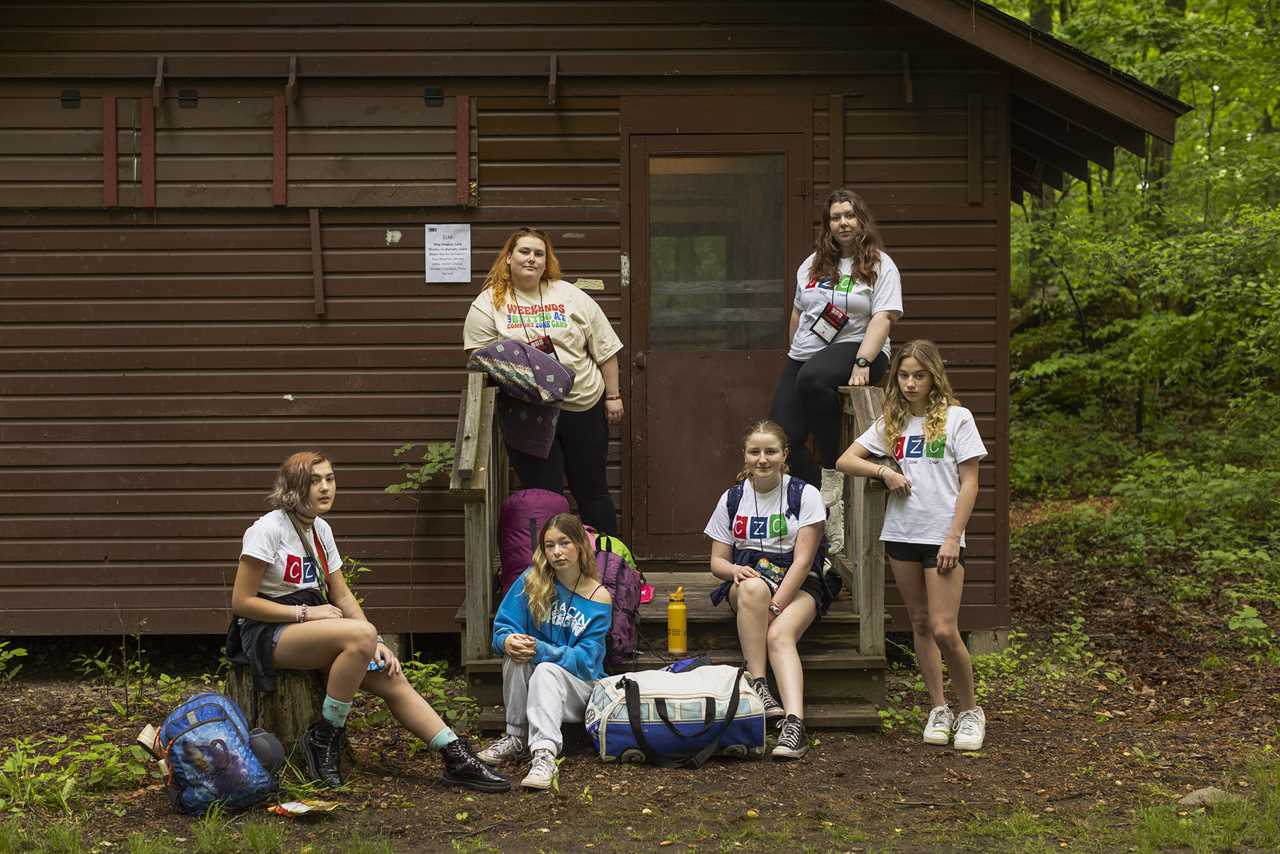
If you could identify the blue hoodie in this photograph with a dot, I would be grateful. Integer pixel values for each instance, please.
(573, 635)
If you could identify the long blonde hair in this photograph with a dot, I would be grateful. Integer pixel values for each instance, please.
(775, 430)
(540, 581)
(896, 407)
(499, 278)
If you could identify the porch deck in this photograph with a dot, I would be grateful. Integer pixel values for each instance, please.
(843, 653)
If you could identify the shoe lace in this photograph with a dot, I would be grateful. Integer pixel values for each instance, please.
(790, 734)
(938, 717)
(331, 746)
(968, 723)
(543, 765)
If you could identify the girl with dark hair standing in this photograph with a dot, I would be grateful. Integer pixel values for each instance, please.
(848, 294)
(525, 299)
(285, 621)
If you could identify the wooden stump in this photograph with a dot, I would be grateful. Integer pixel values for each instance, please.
(288, 711)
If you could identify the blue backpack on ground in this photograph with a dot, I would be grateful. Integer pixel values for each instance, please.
(205, 743)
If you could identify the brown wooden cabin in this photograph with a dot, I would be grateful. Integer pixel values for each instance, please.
(211, 255)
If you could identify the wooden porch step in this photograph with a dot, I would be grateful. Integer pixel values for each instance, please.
(816, 716)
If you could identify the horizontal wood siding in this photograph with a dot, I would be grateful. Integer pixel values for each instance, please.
(216, 147)
(910, 161)
(155, 365)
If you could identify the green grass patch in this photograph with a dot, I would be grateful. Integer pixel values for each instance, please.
(1252, 823)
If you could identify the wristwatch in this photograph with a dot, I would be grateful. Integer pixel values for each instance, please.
(862, 362)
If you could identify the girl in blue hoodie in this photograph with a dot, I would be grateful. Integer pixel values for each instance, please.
(550, 631)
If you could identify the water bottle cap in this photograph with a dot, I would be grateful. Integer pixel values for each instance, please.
(678, 595)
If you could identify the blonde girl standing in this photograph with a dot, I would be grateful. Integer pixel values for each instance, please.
(935, 443)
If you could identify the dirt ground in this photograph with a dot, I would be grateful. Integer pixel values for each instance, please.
(1157, 704)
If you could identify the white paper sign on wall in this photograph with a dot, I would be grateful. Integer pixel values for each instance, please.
(448, 258)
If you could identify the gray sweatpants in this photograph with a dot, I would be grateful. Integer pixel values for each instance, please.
(539, 699)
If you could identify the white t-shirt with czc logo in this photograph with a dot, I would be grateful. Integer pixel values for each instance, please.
(273, 540)
(857, 299)
(762, 522)
(925, 515)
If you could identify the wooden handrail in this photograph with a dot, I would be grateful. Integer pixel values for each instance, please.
(864, 517)
(480, 479)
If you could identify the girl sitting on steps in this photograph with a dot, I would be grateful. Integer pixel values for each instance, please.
(765, 549)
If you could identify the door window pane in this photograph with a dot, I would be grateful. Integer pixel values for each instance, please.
(716, 252)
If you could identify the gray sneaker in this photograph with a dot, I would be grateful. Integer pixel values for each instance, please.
(509, 748)
(772, 708)
(542, 771)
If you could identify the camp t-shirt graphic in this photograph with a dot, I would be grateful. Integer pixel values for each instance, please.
(566, 616)
(925, 514)
(860, 300)
(582, 335)
(537, 319)
(273, 540)
(762, 521)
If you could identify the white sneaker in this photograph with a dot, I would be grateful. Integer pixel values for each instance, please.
(941, 722)
(971, 729)
(506, 749)
(542, 771)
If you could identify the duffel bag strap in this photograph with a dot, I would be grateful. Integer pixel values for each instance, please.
(696, 760)
(708, 718)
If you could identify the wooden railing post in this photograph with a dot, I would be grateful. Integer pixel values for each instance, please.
(477, 457)
(864, 500)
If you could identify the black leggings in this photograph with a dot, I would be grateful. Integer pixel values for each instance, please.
(806, 401)
(580, 453)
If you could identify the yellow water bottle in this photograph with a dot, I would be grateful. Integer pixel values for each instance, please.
(677, 623)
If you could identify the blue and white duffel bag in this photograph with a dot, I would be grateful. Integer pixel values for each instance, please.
(677, 720)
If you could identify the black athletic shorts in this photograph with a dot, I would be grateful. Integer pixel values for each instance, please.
(925, 554)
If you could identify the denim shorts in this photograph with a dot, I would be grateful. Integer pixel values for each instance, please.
(925, 554)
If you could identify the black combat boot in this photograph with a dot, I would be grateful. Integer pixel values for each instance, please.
(462, 768)
(322, 745)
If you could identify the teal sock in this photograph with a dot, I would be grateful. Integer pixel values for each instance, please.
(443, 739)
(335, 711)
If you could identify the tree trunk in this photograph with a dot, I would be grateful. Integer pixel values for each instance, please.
(288, 711)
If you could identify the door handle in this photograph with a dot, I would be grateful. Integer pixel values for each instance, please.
(639, 361)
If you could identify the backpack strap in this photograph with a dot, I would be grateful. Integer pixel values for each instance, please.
(732, 499)
(795, 495)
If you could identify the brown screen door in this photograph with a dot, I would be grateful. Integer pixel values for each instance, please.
(718, 225)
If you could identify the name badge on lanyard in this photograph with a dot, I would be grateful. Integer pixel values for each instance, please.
(829, 323)
(543, 343)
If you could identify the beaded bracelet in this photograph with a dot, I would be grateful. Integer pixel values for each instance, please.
(302, 613)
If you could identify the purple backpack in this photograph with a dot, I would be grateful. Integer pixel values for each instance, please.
(623, 583)
(519, 521)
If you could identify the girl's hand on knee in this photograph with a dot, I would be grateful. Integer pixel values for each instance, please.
(948, 554)
(742, 573)
(324, 612)
(860, 376)
(520, 647)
